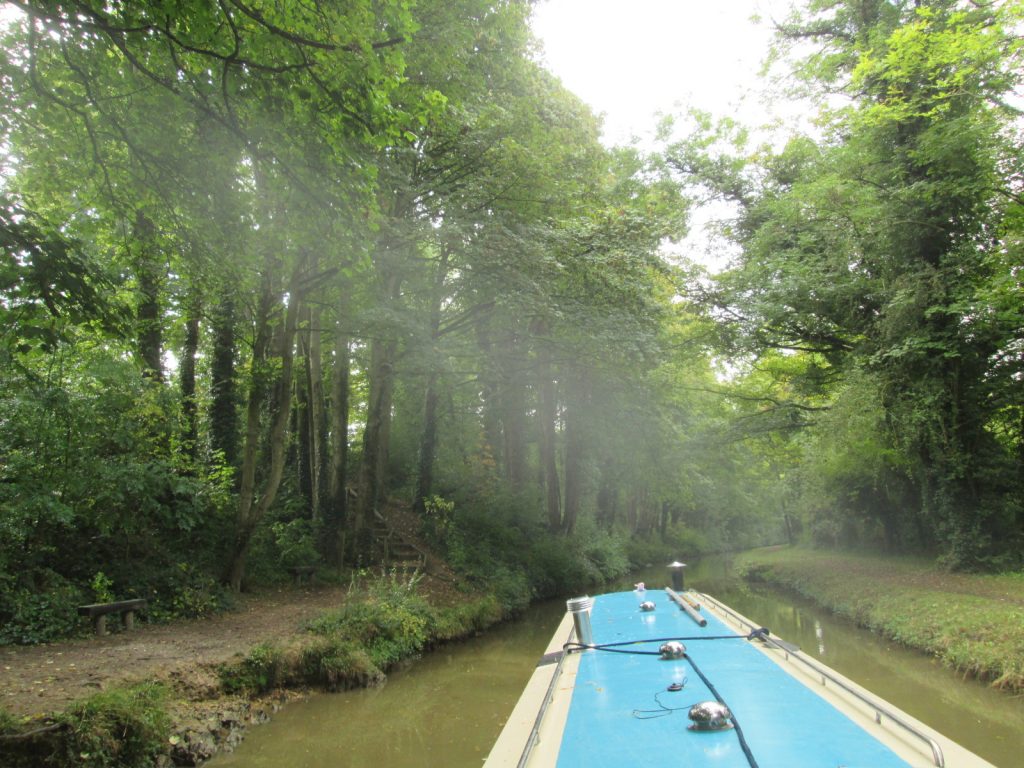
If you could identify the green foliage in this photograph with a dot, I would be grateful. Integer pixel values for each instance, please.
(101, 584)
(391, 623)
(338, 663)
(487, 282)
(184, 591)
(92, 500)
(120, 728)
(465, 618)
(295, 543)
(679, 542)
(260, 671)
(41, 613)
(500, 552)
(876, 260)
(439, 514)
(587, 558)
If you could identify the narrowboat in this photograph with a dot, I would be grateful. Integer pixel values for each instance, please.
(673, 677)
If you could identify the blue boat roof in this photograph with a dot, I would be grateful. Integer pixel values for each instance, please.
(622, 713)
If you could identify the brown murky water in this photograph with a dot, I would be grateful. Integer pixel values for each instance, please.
(446, 709)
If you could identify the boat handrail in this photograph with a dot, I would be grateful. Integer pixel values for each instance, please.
(531, 742)
(792, 651)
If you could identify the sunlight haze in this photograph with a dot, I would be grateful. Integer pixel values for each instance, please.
(631, 60)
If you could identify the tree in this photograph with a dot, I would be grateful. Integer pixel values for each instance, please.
(874, 248)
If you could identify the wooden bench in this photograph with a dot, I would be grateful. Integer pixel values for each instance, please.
(98, 613)
(303, 572)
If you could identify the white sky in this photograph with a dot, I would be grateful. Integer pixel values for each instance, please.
(629, 59)
(633, 59)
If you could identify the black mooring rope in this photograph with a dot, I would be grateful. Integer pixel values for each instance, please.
(718, 697)
(759, 633)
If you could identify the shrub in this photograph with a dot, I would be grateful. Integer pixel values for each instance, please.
(259, 671)
(467, 618)
(680, 542)
(338, 664)
(391, 622)
(29, 616)
(295, 543)
(126, 728)
(181, 590)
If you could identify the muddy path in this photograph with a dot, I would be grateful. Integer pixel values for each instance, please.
(42, 679)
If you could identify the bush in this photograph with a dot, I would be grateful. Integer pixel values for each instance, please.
(295, 543)
(29, 616)
(391, 622)
(181, 590)
(506, 550)
(260, 671)
(126, 728)
(465, 619)
(339, 664)
(679, 542)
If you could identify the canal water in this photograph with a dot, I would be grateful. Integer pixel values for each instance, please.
(446, 709)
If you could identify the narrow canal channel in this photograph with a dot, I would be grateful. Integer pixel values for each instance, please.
(446, 709)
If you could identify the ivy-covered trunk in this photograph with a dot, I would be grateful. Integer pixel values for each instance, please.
(223, 412)
(148, 276)
(187, 379)
(332, 544)
(271, 375)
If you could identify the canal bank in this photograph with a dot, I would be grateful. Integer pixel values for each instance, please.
(446, 709)
(972, 623)
(179, 693)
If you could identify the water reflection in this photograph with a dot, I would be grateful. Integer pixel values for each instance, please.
(444, 710)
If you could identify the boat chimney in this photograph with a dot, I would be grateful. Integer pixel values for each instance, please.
(676, 569)
(580, 607)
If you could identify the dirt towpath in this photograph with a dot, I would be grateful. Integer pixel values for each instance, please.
(36, 680)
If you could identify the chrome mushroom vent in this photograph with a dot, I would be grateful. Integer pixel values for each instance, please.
(647, 606)
(673, 649)
(710, 716)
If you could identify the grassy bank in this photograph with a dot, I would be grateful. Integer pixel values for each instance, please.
(974, 623)
(180, 720)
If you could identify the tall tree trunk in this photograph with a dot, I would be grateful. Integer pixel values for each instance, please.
(606, 504)
(513, 414)
(332, 539)
(148, 275)
(223, 397)
(633, 512)
(548, 415)
(310, 421)
(253, 507)
(428, 437)
(376, 434)
(301, 452)
(375, 441)
(428, 447)
(317, 414)
(490, 397)
(187, 378)
(575, 445)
